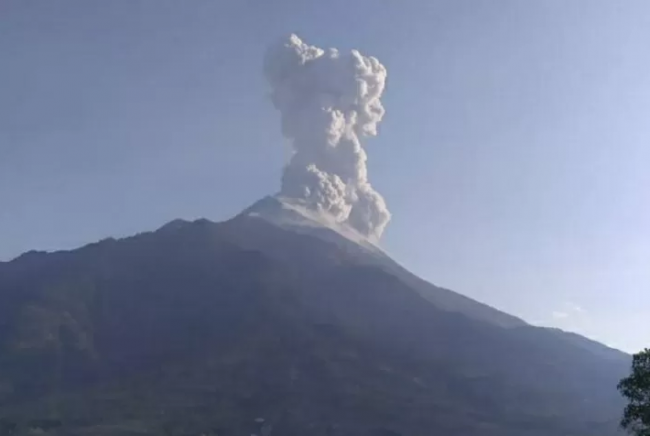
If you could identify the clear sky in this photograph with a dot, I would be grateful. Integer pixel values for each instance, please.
(514, 154)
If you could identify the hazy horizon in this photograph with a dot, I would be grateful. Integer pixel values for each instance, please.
(513, 153)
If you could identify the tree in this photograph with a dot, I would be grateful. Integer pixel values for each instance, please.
(636, 388)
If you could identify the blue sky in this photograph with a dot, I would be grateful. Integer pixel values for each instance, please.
(514, 152)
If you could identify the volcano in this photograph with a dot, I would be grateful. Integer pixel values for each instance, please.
(279, 321)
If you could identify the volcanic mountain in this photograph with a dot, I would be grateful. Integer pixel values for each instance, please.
(279, 321)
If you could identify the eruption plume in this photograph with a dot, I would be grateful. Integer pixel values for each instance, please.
(328, 102)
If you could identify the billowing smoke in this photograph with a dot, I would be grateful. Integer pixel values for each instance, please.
(328, 102)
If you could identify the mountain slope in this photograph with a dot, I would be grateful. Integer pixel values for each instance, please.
(290, 215)
(202, 327)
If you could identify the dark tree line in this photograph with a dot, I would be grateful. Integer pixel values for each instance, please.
(636, 389)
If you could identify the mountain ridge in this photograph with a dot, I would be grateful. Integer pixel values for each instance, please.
(179, 223)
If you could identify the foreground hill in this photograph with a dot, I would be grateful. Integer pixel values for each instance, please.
(256, 326)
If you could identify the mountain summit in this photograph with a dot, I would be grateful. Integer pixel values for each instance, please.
(296, 215)
(279, 321)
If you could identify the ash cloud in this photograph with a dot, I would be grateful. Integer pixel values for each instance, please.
(328, 103)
